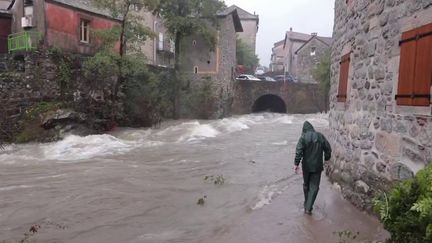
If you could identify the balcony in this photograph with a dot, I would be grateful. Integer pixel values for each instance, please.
(166, 45)
(24, 41)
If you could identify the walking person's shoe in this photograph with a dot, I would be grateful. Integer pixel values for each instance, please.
(308, 212)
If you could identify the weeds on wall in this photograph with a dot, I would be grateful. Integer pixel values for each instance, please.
(406, 210)
(200, 98)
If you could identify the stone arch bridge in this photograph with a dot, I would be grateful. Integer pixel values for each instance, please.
(281, 97)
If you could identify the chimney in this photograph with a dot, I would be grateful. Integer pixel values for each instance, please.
(314, 34)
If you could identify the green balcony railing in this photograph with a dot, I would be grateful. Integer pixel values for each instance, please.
(24, 41)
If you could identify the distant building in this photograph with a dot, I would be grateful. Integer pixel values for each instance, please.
(250, 23)
(308, 56)
(160, 50)
(277, 57)
(200, 62)
(292, 43)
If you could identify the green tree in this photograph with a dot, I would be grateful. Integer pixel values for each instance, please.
(321, 73)
(187, 17)
(246, 56)
(132, 29)
(184, 18)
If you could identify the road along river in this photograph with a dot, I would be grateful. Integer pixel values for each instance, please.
(144, 185)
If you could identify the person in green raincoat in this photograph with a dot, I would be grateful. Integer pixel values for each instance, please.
(309, 151)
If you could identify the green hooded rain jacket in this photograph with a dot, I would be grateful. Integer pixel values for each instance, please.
(310, 149)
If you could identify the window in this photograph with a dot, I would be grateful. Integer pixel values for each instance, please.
(313, 51)
(161, 41)
(195, 69)
(84, 31)
(415, 70)
(194, 42)
(343, 78)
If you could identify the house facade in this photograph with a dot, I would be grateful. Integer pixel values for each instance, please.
(64, 24)
(216, 65)
(309, 55)
(5, 25)
(294, 42)
(250, 24)
(159, 50)
(277, 57)
(380, 98)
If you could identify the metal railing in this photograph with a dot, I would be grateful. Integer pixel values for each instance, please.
(24, 41)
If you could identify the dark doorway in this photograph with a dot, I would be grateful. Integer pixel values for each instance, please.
(269, 103)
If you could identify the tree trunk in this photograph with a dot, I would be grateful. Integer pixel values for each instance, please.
(177, 67)
(120, 79)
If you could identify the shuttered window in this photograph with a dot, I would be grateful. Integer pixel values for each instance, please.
(343, 78)
(415, 71)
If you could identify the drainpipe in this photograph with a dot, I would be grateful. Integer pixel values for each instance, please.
(154, 42)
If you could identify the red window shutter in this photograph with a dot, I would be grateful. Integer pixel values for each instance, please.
(343, 78)
(415, 72)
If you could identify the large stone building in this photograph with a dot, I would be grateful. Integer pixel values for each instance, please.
(380, 119)
(250, 23)
(213, 66)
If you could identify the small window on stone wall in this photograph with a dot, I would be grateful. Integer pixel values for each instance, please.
(313, 51)
(343, 78)
(194, 42)
(195, 69)
(415, 70)
(84, 31)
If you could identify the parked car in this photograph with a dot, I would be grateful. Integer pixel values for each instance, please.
(248, 77)
(266, 78)
(287, 78)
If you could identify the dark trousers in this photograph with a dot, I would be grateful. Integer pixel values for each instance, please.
(311, 182)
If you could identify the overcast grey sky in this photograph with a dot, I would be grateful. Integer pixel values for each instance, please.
(277, 16)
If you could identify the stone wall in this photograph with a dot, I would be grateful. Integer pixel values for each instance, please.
(375, 141)
(27, 79)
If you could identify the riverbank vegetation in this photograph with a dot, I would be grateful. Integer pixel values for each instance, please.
(246, 57)
(406, 211)
(322, 74)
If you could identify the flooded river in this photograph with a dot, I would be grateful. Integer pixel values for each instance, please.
(143, 185)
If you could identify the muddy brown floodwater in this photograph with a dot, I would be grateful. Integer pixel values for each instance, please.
(143, 185)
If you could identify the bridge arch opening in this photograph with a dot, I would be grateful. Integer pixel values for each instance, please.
(269, 103)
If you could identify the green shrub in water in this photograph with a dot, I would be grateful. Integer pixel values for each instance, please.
(406, 210)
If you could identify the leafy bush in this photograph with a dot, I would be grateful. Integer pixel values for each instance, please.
(407, 210)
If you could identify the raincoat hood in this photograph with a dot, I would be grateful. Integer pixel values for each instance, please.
(307, 127)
